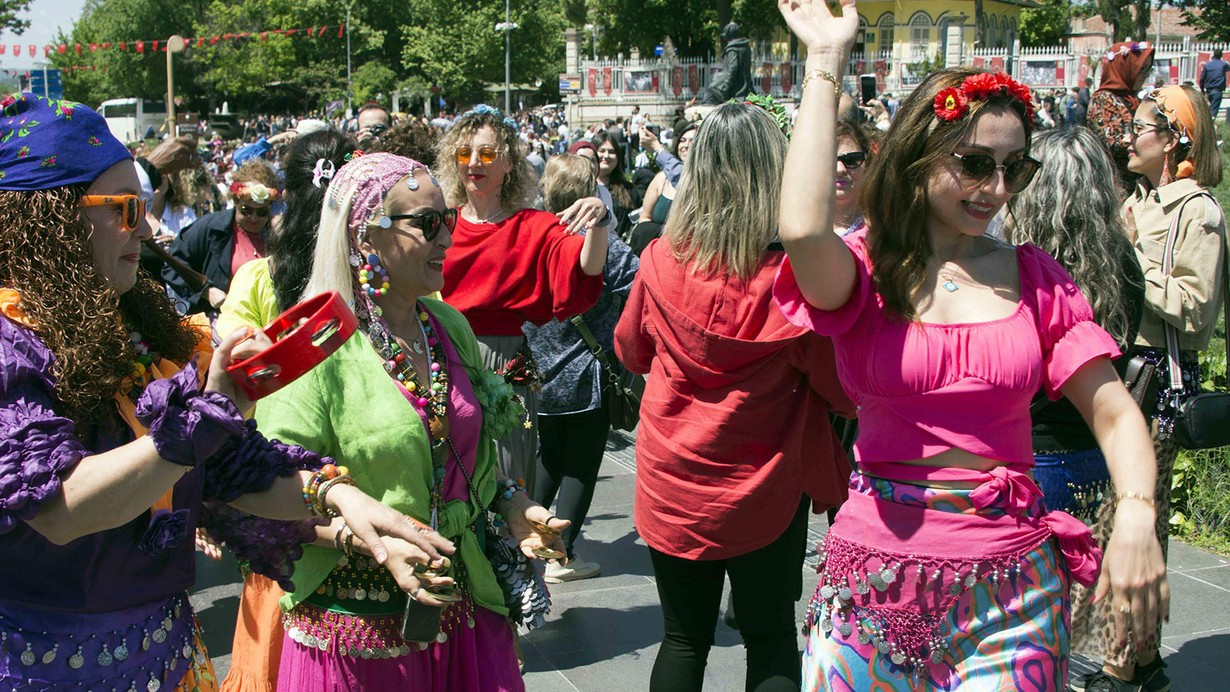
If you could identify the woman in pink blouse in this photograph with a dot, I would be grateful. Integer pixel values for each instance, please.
(944, 568)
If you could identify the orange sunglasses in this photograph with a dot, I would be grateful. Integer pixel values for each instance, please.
(131, 206)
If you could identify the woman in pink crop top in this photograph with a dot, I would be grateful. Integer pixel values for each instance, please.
(944, 567)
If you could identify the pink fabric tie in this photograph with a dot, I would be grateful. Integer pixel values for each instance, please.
(1010, 490)
(1076, 542)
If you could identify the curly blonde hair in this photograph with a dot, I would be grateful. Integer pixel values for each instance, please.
(520, 186)
(45, 255)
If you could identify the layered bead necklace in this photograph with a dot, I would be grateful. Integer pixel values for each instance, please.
(431, 394)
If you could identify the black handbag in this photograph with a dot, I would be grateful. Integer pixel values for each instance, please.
(1203, 421)
(624, 389)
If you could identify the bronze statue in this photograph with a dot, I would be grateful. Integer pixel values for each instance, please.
(735, 79)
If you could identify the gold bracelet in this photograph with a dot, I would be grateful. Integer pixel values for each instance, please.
(1136, 496)
(826, 76)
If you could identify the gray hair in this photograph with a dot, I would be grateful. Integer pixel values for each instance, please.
(725, 212)
(1072, 212)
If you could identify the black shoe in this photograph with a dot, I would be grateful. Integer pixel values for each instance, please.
(1102, 681)
(1152, 677)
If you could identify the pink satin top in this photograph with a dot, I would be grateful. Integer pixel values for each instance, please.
(923, 389)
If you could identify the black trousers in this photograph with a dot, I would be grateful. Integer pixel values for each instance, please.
(765, 585)
(570, 449)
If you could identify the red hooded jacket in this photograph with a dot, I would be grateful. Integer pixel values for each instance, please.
(734, 419)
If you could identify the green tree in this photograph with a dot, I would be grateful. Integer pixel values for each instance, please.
(1213, 19)
(455, 44)
(9, 21)
(692, 25)
(1047, 24)
(114, 73)
(1127, 18)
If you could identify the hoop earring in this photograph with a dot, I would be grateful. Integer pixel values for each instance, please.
(372, 270)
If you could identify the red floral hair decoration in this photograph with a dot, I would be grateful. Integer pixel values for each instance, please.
(952, 104)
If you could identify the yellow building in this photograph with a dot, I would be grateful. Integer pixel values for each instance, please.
(913, 30)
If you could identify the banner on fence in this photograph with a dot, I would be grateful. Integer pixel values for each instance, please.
(639, 82)
(786, 76)
(608, 81)
(592, 80)
(677, 80)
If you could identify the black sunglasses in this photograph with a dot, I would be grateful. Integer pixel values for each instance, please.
(429, 222)
(853, 160)
(977, 169)
(262, 212)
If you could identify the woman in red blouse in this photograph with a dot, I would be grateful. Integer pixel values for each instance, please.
(511, 264)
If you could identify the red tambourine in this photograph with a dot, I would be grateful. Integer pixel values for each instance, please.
(297, 347)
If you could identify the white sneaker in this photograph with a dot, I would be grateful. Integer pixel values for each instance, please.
(574, 570)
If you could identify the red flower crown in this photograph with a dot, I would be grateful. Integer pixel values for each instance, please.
(952, 104)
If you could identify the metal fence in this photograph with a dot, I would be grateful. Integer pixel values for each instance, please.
(681, 79)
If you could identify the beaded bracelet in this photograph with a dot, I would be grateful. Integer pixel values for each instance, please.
(318, 483)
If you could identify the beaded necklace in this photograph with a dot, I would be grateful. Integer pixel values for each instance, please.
(431, 395)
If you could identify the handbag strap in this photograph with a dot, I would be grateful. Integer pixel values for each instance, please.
(594, 347)
(1172, 335)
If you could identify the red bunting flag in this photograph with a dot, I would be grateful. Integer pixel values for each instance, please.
(61, 49)
(47, 50)
(77, 47)
(264, 35)
(340, 29)
(155, 46)
(289, 32)
(321, 32)
(123, 45)
(93, 47)
(213, 40)
(32, 49)
(3, 49)
(311, 31)
(140, 46)
(106, 44)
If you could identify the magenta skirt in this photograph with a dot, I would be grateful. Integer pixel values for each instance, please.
(481, 658)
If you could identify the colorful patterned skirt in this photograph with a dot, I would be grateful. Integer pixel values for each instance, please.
(988, 623)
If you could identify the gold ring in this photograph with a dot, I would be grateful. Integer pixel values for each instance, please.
(1125, 609)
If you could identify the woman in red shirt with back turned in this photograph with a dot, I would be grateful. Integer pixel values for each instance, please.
(734, 441)
(511, 264)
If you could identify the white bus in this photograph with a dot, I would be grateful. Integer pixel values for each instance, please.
(129, 119)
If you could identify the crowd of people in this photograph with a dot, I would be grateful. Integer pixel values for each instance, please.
(904, 316)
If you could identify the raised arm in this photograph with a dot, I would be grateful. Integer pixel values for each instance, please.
(823, 265)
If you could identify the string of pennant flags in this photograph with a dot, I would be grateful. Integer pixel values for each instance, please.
(160, 45)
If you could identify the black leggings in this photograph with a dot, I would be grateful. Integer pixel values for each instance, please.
(570, 449)
(765, 585)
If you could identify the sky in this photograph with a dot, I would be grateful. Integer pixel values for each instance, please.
(46, 17)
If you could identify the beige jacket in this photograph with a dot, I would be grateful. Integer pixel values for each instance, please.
(1189, 297)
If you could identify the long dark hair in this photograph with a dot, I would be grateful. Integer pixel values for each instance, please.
(291, 248)
(895, 190)
(620, 187)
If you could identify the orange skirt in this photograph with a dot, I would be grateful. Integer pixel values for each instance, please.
(257, 648)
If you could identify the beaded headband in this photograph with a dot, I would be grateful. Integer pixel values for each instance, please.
(953, 103)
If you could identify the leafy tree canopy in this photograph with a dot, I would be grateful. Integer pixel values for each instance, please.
(9, 21)
(1213, 19)
(1047, 24)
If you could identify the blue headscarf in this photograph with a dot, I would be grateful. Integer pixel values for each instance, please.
(48, 143)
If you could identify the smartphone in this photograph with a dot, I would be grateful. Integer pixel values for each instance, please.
(867, 85)
(421, 623)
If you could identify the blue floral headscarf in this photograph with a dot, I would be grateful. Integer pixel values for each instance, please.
(48, 143)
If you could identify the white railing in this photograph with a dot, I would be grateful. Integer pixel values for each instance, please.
(681, 79)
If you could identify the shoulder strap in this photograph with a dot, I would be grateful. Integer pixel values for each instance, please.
(594, 347)
(1172, 336)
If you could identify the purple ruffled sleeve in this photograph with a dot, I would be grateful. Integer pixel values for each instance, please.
(187, 425)
(251, 463)
(37, 446)
(270, 547)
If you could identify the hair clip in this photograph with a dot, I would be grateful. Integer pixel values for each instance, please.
(324, 170)
(353, 155)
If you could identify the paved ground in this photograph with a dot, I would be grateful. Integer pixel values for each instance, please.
(604, 632)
